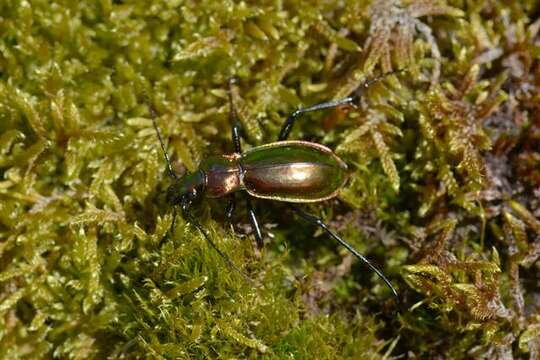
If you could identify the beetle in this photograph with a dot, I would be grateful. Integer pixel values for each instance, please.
(291, 171)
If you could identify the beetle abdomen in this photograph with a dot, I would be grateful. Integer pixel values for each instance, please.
(293, 171)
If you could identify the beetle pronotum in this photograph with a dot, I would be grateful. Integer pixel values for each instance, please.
(291, 171)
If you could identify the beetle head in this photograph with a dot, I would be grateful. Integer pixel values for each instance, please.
(187, 188)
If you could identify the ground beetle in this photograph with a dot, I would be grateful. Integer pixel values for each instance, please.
(286, 170)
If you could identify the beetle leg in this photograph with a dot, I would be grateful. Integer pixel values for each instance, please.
(254, 222)
(316, 221)
(233, 118)
(350, 100)
(288, 124)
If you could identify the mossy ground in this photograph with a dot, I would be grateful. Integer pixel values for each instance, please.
(443, 196)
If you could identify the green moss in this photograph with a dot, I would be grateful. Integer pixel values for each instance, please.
(443, 195)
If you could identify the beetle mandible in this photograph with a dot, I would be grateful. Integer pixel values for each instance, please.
(292, 171)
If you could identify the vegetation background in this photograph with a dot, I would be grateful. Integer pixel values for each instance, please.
(444, 194)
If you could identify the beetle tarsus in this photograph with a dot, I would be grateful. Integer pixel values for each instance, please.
(357, 94)
(316, 221)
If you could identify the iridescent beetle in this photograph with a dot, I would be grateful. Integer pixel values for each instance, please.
(291, 171)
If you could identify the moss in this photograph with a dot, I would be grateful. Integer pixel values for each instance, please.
(443, 194)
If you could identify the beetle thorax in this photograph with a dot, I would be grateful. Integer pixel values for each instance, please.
(222, 175)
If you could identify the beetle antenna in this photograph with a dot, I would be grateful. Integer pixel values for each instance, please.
(316, 221)
(213, 245)
(153, 116)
